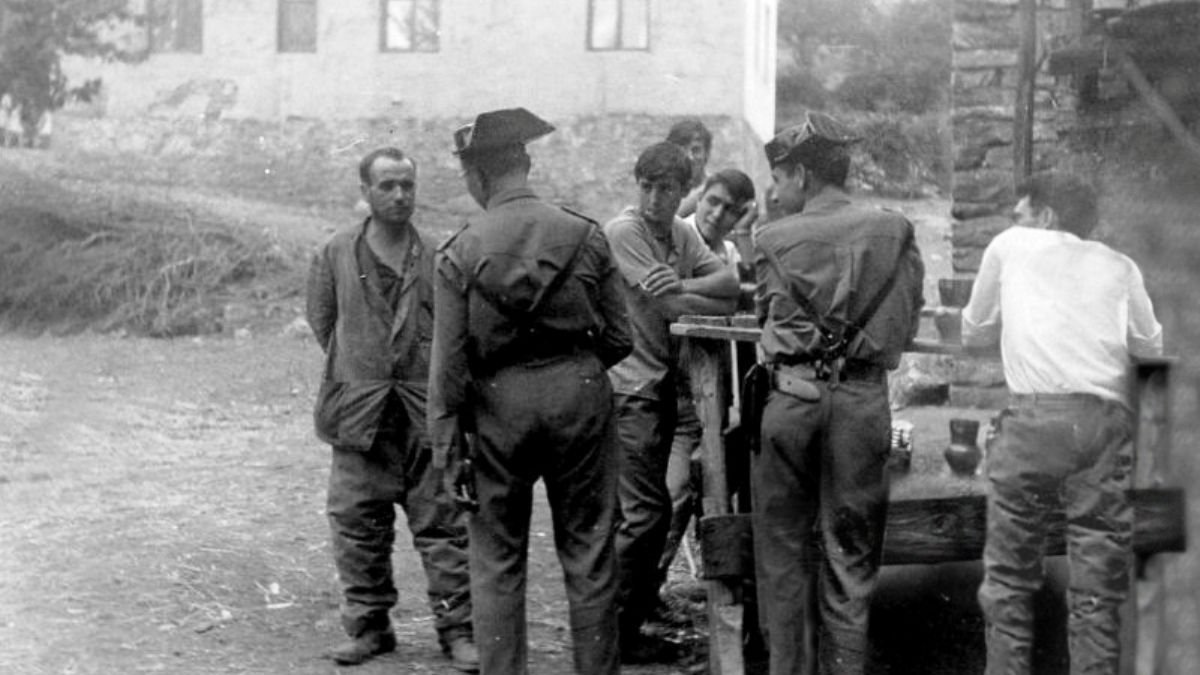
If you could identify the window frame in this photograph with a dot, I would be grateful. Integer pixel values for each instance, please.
(280, 46)
(171, 9)
(619, 47)
(414, 49)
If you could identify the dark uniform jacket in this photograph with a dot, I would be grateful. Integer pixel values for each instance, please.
(840, 254)
(373, 348)
(501, 299)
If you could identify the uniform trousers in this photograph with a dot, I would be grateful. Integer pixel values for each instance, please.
(646, 428)
(820, 504)
(364, 488)
(553, 420)
(1071, 454)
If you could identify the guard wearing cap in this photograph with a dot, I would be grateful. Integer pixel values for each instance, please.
(838, 296)
(528, 318)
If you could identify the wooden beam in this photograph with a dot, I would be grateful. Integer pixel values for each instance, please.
(948, 529)
(710, 390)
(1158, 105)
(1026, 82)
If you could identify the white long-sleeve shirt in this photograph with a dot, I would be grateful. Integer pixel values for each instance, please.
(1068, 313)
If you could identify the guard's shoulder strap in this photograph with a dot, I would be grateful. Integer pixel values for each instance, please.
(579, 215)
(450, 240)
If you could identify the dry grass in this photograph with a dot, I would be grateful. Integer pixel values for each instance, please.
(160, 281)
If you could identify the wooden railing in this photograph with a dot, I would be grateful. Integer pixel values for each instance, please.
(920, 529)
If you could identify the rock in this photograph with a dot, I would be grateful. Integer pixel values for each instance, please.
(298, 328)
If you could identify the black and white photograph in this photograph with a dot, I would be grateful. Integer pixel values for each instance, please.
(657, 337)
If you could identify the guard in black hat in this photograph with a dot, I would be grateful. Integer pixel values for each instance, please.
(839, 297)
(528, 318)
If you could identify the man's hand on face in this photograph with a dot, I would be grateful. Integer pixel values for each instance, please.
(662, 280)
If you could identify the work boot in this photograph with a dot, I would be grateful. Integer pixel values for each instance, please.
(462, 653)
(363, 648)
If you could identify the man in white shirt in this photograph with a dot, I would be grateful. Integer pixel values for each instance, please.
(1068, 315)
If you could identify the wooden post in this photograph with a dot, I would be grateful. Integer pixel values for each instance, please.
(1142, 620)
(1026, 83)
(711, 394)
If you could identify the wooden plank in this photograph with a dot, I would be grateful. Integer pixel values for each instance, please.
(711, 394)
(744, 328)
(1144, 614)
(728, 546)
(1158, 105)
(948, 529)
(945, 530)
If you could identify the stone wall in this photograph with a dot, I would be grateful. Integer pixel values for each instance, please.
(986, 40)
(587, 164)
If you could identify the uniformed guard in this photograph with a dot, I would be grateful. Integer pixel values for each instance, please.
(528, 318)
(838, 295)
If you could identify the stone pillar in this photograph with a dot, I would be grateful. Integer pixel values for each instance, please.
(986, 38)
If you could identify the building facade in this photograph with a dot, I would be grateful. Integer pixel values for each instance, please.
(346, 59)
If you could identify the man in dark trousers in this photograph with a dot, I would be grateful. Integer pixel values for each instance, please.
(370, 305)
(666, 271)
(838, 295)
(528, 318)
(1068, 314)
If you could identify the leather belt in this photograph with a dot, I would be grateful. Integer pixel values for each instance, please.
(849, 370)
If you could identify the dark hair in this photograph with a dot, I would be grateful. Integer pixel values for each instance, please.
(740, 187)
(829, 162)
(368, 160)
(1072, 199)
(684, 132)
(499, 161)
(664, 159)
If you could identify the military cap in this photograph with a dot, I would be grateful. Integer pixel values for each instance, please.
(817, 132)
(499, 129)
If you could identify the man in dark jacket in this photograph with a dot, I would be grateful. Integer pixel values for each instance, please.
(370, 305)
(529, 316)
(839, 296)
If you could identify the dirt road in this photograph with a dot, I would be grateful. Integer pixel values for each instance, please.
(162, 510)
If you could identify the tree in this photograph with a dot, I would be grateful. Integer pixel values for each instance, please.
(34, 35)
(902, 47)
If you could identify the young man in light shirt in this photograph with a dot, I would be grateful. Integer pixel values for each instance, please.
(726, 210)
(1068, 315)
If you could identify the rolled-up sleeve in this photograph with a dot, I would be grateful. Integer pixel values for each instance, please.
(321, 298)
(1144, 335)
(448, 372)
(981, 316)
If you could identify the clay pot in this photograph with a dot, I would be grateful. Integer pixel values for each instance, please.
(955, 292)
(963, 454)
(949, 326)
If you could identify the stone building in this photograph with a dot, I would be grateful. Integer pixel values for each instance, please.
(611, 74)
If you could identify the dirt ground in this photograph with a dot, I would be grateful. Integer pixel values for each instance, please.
(162, 501)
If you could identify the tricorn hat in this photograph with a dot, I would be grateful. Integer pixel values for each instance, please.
(499, 129)
(816, 133)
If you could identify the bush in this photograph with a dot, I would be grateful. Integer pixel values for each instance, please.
(902, 155)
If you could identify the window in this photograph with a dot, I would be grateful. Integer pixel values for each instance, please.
(618, 24)
(409, 26)
(176, 25)
(297, 25)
